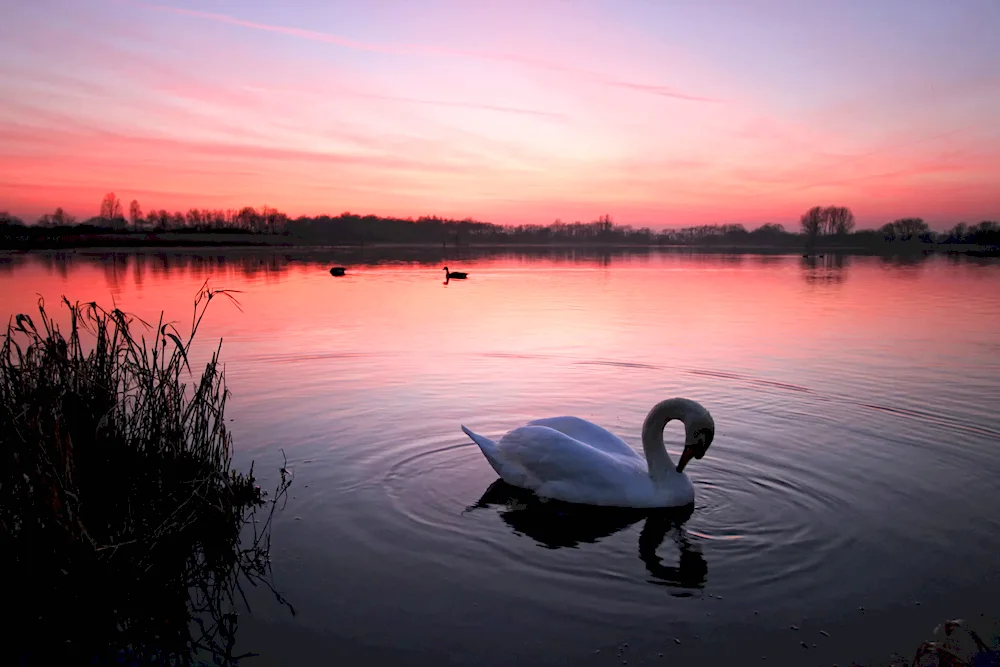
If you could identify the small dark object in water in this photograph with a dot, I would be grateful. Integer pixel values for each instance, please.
(804, 645)
(455, 275)
(794, 627)
(338, 271)
(824, 633)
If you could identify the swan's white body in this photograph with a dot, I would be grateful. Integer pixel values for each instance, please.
(571, 459)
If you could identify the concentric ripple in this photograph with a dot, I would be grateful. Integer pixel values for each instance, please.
(774, 524)
(790, 496)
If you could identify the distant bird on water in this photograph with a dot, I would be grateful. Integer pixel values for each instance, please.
(456, 275)
(338, 271)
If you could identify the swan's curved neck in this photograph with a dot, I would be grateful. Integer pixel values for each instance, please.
(660, 465)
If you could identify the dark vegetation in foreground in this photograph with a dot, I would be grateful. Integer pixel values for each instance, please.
(831, 227)
(125, 532)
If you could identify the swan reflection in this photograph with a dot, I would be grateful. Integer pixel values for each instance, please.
(555, 524)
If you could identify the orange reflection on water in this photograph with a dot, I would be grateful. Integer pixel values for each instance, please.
(715, 310)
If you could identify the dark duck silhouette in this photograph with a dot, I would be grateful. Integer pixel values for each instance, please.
(454, 275)
(338, 271)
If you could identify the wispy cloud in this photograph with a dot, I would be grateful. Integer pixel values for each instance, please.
(421, 50)
(662, 91)
(87, 140)
(466, 105)
(293, 32)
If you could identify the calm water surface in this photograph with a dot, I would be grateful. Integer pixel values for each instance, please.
(855, 463)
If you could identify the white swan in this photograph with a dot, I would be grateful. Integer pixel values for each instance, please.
(571, 459)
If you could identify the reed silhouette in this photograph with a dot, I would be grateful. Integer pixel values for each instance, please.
(125, 533)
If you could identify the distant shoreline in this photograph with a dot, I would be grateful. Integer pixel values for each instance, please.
(210, 241)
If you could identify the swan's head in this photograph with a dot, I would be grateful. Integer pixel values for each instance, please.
(699, 430)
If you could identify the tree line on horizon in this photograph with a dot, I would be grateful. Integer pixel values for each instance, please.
(830, 225)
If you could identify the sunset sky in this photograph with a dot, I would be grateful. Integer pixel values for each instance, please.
(661, 113)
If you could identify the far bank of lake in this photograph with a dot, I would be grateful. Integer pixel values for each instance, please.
(244, 241)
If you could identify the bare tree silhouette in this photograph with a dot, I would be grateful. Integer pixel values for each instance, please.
(134, 214)
(839, 220)
(59, 218)
(904, 229)
(111, 207)
(812, 222)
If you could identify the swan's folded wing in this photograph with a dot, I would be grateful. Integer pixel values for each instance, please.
(589, 433)
(551, 456)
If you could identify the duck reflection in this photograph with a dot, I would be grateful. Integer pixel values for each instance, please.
(830, 269)
(555, 525)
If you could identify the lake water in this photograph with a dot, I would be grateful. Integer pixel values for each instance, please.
(855, 462)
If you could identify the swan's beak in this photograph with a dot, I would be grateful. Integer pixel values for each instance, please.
(686, 456)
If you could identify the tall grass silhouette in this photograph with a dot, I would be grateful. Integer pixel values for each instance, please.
(124, 530)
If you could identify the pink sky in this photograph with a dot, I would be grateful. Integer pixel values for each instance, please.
(661, 114)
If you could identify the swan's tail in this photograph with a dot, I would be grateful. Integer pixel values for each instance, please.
(490, 449)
